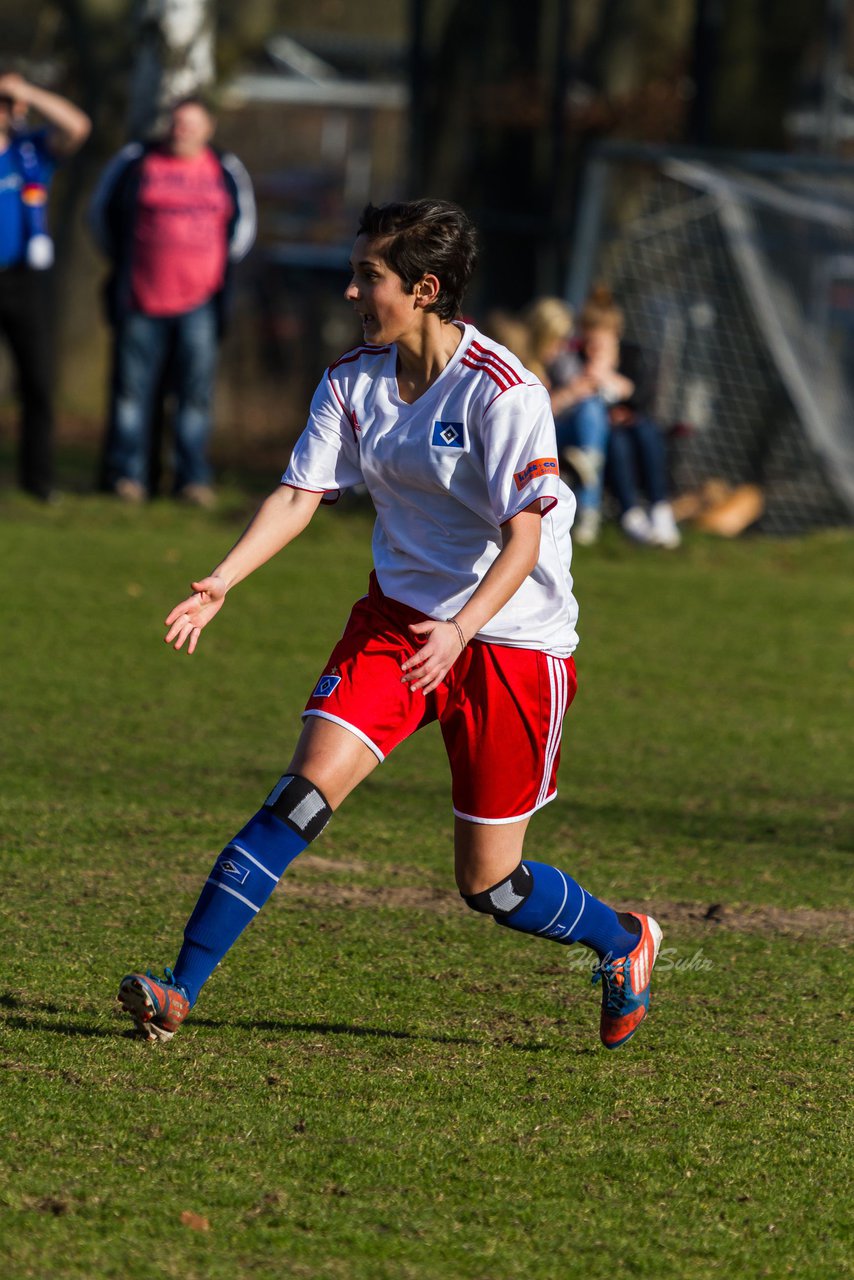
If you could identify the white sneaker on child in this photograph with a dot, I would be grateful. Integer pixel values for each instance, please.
(665, 532)
(586, 463)
(636, 525)
(585, 531)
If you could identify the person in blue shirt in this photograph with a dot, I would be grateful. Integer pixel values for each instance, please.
(28, 158)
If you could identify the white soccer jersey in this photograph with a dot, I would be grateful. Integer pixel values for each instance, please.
(444, 474)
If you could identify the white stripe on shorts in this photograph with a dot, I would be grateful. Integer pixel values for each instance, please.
(558, 693)
(324, 715)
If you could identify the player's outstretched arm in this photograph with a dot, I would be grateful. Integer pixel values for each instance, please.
(279, 519)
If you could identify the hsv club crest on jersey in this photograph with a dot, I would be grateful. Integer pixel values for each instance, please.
(448, 435)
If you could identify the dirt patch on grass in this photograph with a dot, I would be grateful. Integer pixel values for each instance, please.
(56, 1205)
(694, 917)
(406, 897)
(313, 862)
(795, 922)
(331, 882)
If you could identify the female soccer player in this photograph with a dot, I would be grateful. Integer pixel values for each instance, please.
(469, 617)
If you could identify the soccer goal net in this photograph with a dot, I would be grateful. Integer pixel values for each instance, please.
(736, 274)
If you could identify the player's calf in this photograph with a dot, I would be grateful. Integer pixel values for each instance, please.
(240, 882)
(246, 873)
(540, 899)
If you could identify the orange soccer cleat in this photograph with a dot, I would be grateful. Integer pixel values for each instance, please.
(158, 1006)
(625, 986)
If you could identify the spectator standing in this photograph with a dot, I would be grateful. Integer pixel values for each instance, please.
(28, 159)
(172, 217)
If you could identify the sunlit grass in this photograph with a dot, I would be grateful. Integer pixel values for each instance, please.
(377, 1083)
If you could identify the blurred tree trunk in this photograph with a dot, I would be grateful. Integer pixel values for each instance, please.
(174, 56)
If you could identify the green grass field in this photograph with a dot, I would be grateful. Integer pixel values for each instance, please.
(378, 1083)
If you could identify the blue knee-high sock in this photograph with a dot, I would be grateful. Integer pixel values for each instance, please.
(245, 874)
(555, 906)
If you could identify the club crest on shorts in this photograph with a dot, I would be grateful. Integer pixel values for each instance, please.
(448, 435)
(325, 686)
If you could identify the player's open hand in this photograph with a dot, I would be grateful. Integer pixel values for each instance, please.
(439, 649)
(187, 619)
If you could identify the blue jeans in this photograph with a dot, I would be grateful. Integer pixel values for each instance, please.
(637, 454)
(586, 427)
(144, 345)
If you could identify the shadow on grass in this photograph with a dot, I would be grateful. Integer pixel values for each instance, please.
(329, 1029)
(351, 1029)
(20, 1022)
(61, 1028)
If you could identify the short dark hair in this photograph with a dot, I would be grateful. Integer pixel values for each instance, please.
(193, 100)
(423, 237)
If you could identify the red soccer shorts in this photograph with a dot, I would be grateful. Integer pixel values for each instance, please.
(500, 709)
